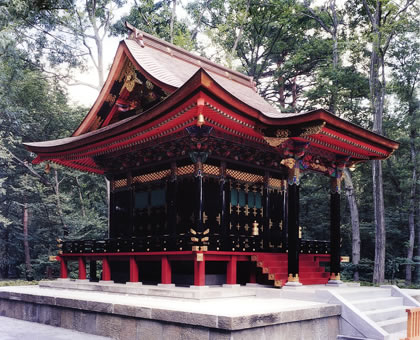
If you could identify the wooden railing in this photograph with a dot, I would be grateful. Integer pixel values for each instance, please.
(187, 241)
(413, 324)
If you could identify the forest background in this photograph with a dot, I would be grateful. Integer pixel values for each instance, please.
(358, 59)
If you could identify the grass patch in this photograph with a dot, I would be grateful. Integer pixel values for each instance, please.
(17, 283)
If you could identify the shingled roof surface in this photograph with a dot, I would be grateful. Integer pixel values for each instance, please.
(174, 66)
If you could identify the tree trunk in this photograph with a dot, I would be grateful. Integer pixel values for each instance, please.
(82, 203)
(108, 201)
(379, 213)
(241, 31)
(417, 200)
(411, 215)
(334, 29)
(28, 266)
(377, 93)
(294, 93)
(173, 16)
(355, 225)
(58, 201)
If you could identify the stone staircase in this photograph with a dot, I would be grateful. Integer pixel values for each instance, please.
(372, 313)
(274, 266)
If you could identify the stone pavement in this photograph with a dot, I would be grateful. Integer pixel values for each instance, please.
(12, 329)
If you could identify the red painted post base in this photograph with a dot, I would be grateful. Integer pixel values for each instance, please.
(134, 270)
(106, 270)
(82, 268)
(166, 272)
(63, 269)
(231, 271)
(199, 270)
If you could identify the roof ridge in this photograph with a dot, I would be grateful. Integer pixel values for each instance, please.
(145, 39)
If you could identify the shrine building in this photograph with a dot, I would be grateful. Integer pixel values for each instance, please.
(204, 174)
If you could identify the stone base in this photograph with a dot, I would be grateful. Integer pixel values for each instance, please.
(130, 317)
(134, 284)
(336, 283)
(166, 285)
(231, 286)
(106, 282)
(293, 284)
(200, 287)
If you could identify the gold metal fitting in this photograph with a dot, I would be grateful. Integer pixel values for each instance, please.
(292, 278)
(335, 276)
(255, 230)
(200, 120)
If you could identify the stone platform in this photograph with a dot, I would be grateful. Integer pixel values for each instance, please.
(150, 312)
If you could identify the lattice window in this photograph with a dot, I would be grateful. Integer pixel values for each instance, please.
(153, 176)
(244, 176)
(185, 170)
(276, 183)
(211, 169)
(119, 183)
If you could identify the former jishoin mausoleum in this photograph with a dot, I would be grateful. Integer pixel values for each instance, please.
(204, 173)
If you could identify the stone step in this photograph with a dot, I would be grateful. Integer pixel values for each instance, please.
(313, 281)
(398, 335)
(393, 325)
(277, 269)
(377, 303)
(367, 293)
(387, 313)
(275, 263)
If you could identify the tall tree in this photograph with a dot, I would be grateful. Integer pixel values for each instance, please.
(330, 20)
(268, 39)
(385, 19)
(405, 65)
(60, 36)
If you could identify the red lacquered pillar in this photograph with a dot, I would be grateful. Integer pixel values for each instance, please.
(252, 273)
(231, 271)
(199, 270)
(106, 270)
(134, 270)
(63, 268)
(166, 273)
(82, 268)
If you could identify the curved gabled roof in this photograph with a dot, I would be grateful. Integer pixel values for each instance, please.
(170, 67)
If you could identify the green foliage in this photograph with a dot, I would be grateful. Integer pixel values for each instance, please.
(154, 17)
(34, 108)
